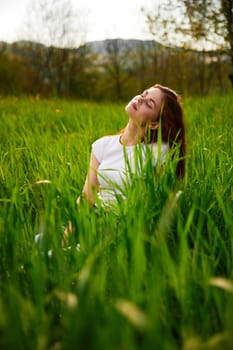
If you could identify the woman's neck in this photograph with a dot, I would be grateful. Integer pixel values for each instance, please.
(132, 134)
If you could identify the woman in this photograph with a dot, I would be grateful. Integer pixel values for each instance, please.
(107, 173)
(155, 122)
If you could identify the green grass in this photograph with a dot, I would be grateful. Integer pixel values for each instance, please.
(156, 276)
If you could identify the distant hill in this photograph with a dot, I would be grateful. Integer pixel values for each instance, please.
(102, 47)
(123, 64)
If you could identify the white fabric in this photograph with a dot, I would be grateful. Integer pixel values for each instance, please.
(113, 172)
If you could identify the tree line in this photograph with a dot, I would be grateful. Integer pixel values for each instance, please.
(121, 68)
(116, 74)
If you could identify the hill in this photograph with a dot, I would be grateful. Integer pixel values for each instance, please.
(102, 47)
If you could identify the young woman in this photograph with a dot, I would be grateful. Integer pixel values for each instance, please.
(155, 123)
(107, 173)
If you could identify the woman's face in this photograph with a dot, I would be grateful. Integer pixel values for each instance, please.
(144, 109)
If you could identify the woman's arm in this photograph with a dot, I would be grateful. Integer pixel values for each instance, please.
(90, 186)
(91, 183)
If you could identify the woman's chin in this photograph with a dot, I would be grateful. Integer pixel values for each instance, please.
(127, 108)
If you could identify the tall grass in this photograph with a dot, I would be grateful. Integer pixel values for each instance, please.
(158, 275)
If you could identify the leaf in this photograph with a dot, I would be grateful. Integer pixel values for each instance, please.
(132, 313)
(43, 182)
(222, 283)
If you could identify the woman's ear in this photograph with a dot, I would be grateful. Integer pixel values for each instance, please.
(154, 125)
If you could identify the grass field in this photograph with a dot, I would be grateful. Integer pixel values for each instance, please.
(156, 276)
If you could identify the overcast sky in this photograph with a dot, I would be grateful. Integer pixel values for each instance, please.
(107, 18)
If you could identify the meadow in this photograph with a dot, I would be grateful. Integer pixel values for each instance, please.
(156, 275)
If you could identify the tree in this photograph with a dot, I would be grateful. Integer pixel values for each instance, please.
(58, 26)
(212, 20)
(195, 24)
(145, 63)
(54, 23)
(117, 66)
(10, 74)
(83, 73)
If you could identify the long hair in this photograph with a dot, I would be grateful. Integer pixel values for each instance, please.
(173, 128)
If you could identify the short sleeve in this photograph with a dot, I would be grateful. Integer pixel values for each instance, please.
(98, 148)
(163, 149)
(164, 152)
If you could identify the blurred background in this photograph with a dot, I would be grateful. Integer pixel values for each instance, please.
(111, 50)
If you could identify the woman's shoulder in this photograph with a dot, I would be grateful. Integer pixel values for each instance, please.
(101, 145)
(107, 139)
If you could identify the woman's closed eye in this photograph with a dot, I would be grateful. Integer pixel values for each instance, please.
(149, 104)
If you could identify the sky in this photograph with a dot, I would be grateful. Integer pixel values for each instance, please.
(106, 18)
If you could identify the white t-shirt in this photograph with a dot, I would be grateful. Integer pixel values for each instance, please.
(117, 160)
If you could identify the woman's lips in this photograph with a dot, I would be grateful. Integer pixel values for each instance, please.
(134, 106)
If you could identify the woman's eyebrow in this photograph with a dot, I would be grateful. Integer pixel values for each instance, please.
(152, 100)
(146, 92)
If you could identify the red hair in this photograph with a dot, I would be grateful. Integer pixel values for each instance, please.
(173, 129)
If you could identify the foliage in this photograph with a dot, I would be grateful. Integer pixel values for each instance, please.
(157, 275)
(194, 24)
(10, 74)
(57, 24)
(115, 75)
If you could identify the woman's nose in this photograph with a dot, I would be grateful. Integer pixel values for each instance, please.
(140, 100)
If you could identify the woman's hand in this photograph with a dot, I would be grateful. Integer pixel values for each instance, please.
(88, 192)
